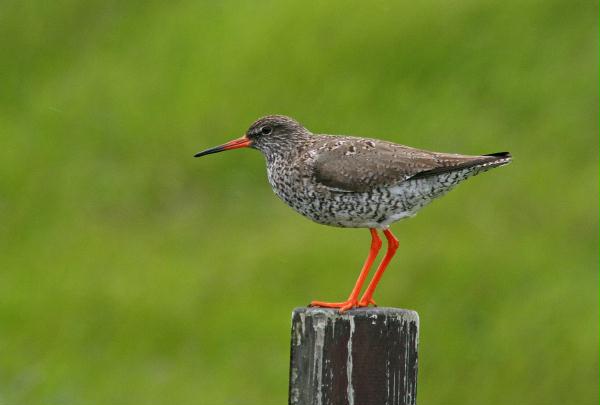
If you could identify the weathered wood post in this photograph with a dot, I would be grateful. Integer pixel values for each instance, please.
(366, 356)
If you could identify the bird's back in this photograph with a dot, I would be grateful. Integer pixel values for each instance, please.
(360, 182)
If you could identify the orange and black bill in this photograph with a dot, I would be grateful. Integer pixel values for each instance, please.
(242, 142)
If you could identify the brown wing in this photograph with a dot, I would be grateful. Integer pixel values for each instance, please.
(351, 164)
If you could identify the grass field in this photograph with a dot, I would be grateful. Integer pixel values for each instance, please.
(131, 273)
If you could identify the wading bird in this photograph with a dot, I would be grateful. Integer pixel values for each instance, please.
(355, 182)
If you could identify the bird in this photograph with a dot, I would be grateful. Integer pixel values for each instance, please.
(355, 182)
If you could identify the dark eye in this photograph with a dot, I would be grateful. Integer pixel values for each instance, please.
(266, 130)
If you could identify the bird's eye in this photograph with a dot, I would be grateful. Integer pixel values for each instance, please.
(266, 130)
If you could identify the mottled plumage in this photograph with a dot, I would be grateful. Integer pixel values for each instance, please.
(355, 182)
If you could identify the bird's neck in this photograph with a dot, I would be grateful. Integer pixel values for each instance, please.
(287, 149)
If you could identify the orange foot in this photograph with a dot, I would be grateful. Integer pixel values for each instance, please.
(365, 302)
(343, 306)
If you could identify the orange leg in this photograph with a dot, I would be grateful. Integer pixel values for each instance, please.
(352, 300)
(367, 297)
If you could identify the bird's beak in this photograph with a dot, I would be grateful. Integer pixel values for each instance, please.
(242, 142)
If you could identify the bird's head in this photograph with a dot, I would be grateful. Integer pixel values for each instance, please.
(270, 135)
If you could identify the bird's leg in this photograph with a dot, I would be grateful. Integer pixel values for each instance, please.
(352, 300)
(367, 297)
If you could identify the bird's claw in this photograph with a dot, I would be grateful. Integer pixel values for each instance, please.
(342, 306)
(365, 302)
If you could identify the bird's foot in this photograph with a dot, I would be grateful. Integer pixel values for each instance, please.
(365, 302)
(343, 306)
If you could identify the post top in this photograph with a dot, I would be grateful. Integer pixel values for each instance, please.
(366, 312)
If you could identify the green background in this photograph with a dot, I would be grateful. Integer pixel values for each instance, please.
(131, 273)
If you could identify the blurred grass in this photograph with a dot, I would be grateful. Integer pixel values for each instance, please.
(132, 273)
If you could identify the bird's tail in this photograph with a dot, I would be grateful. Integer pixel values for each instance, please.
(497, 159)
(473, 164)
(501, 158)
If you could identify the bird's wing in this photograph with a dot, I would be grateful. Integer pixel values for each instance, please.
(349, 164)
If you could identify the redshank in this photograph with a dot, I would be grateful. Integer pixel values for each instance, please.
(355, 182)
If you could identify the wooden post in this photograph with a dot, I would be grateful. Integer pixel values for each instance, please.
(366, 356)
